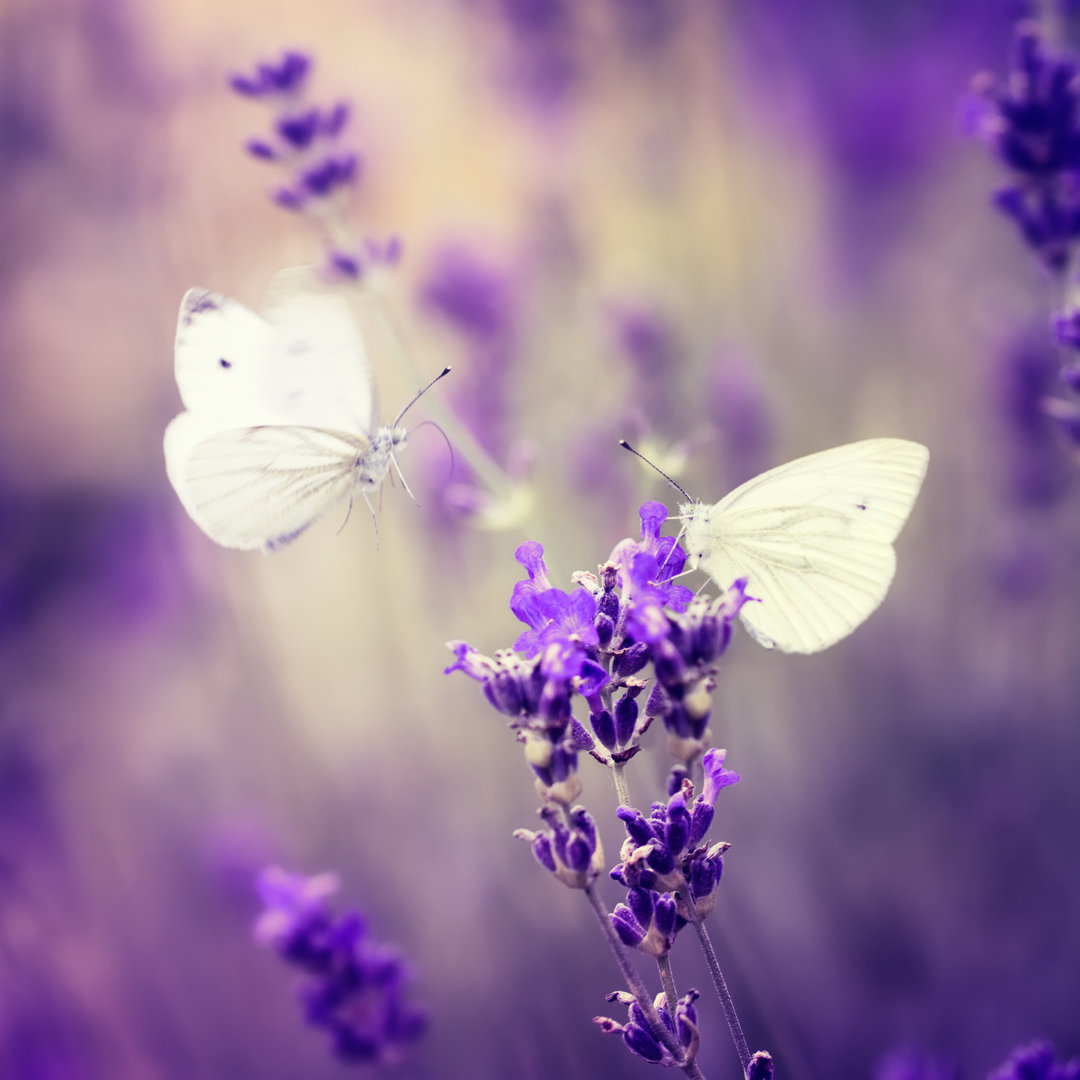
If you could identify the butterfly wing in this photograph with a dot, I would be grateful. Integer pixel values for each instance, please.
(304, 364)
(875, 480)
(259, 486)
(814, 537)
(223, 351)
(320, 350)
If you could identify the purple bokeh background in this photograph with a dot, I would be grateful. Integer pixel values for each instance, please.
(785, 188)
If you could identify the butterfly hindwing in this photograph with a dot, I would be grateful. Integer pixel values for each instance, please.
(259, 486)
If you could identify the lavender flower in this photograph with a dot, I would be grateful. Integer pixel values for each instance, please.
(305, 144)
(639, 1039)
(663, 853)
(569, 848)
(1031, 122)
(355, 987)
(1037, 1061)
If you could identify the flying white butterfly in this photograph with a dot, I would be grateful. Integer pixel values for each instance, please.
(281, 414)
(814, 537)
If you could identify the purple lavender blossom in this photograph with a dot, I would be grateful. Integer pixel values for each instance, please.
(570, 846)
(1032, 123)
(304, 144)
(639, 1039)
(664, 854)
(1037, 1061)
(354, 987)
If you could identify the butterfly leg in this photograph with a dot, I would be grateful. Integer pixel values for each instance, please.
(374, 519)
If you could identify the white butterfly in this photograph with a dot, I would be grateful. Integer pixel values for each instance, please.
(281, 414)
(814, 537)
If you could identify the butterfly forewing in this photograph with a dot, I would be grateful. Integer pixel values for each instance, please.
(260, 487)
(814, 538)
(326, 379)
(876, 479)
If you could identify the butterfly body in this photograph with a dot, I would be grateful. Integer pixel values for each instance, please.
(279, 425)
(814, 537)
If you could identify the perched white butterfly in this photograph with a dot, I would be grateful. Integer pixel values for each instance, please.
(814, 537)
(281, 414)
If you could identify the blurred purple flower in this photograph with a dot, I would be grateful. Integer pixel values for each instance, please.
(1037, 1061)
(545, 64)
(1033, 125)
(355, 987)
(1037, 474)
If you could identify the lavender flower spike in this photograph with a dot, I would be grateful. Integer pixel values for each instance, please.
(354, 987)
(639, 1039)
(1038, 1061)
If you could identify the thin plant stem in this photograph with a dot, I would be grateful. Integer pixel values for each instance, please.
(742, 1048)
(336, 233)
(622, 789)
(663, 963)
(658, 1028)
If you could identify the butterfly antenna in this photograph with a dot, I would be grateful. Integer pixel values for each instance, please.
(419, 394)
(626, 446)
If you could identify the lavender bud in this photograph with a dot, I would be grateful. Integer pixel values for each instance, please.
(604, 727)
(761, 1067)
(626, 715)
(631, 661)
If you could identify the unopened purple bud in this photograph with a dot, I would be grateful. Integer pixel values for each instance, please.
(504, 692)
(665, 915)
(242, 84)
(604, 726)
(289, 199)
(290, 72)
(626, 716)
(578, 854)
(700, 820)
(761, 1067)
(678, 774)
(631, 661)
(705, 875)
(678, 824)
(670, 667)
(608, 605)
(642, 1043)
(661, 860)
(627, 926)
(582, 820)
(344, 264)
(541, 847)
(299, 130)
(637, 828)
(258, 148)
(640, 902)
(579, 740)
(333, 123)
